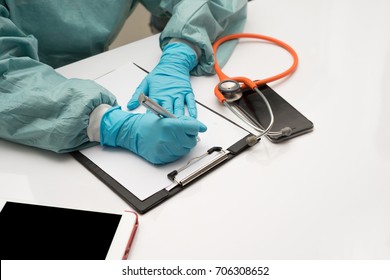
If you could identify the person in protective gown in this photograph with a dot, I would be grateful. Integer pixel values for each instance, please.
(41, 108)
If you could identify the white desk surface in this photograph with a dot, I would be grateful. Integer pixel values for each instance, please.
(324, 195)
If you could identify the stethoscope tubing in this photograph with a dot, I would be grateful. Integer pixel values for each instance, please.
(246, 81)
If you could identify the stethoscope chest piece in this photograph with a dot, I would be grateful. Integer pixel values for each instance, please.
(230, 89)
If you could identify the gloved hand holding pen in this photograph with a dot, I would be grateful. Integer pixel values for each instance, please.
(169, 82)
(158, 140)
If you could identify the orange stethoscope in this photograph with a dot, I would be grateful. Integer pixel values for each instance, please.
(230, 89)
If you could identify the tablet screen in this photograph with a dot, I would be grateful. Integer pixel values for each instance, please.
(35, 232)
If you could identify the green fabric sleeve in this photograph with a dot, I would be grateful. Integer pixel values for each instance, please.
(201, 22)
(39, 107)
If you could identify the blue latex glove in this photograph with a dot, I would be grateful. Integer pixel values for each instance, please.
(169, 82)
(157, 140)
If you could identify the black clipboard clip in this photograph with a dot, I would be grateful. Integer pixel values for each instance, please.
(223, 155)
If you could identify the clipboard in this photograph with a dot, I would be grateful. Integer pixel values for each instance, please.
(143, 185)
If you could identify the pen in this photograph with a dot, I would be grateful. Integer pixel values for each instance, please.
(156, 108)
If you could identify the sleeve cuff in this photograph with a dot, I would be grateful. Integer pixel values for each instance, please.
(95, 118)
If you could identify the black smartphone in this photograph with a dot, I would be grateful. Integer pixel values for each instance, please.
(285, 115)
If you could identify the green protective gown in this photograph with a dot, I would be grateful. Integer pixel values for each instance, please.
(41, 108)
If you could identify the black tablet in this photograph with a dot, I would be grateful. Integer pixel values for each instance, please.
(42, 232)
